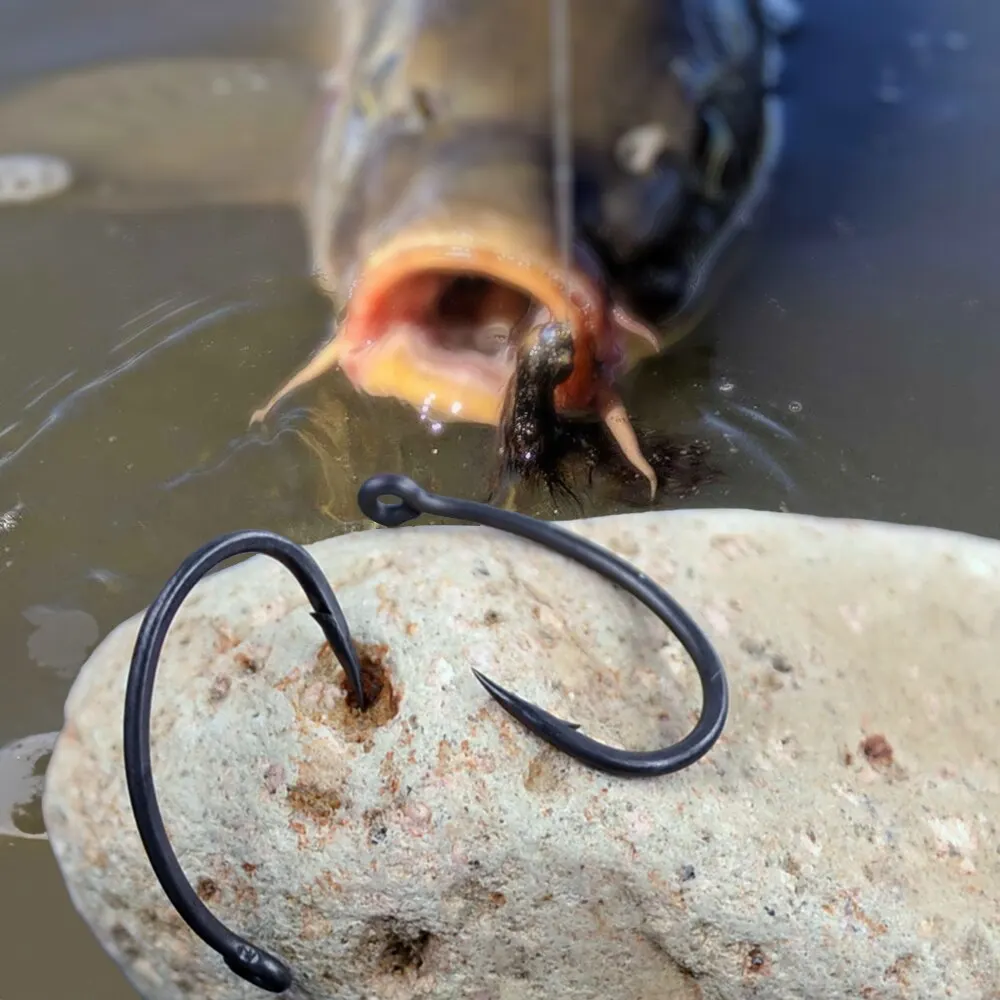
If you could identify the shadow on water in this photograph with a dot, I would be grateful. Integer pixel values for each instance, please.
(848, 371)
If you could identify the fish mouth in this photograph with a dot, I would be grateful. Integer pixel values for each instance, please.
(436, 323)
(435, 318)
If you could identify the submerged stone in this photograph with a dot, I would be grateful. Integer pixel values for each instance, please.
(21, 783)
(839, 841)
(26, 178)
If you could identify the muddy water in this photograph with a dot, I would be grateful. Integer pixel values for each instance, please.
(850, 371)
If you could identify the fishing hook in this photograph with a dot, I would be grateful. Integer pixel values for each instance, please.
(412, 501)
(248, 961)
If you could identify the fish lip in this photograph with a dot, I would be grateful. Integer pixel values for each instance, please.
(575, 295)
(443, 383)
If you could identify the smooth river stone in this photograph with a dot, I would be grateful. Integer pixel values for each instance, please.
(840, 841)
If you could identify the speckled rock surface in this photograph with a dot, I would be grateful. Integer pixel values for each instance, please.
(840, 841)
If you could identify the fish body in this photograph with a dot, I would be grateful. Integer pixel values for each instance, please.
(432, 212)
(423, 161)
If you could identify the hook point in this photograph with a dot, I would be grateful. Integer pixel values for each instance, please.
(343, 650)
(544, 724)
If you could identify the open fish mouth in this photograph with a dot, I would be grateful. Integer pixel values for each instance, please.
(436, 322)
(438, 327)
(446, 369)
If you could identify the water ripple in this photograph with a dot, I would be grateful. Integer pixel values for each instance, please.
(68, 402)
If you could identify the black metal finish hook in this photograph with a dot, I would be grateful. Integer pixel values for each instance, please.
(254, 964)
(413, 500)
(248, 961)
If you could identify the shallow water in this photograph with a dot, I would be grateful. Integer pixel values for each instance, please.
(849, 371)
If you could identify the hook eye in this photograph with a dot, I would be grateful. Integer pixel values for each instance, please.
(390, 515)
(563, 735)
(249, 962)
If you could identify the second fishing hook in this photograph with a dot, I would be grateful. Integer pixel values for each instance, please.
(412, 500)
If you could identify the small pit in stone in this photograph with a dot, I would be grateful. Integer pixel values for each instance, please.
(208, 890)
(125, 942)
(247, 662)
(381, 697)
(756, 962)
(877, 751)
(375, 681)
(376, 825)
(401, 947)
(319, 804)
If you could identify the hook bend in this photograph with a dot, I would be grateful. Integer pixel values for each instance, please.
(249, 962)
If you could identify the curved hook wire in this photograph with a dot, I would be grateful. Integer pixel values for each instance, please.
(251, 963)
(413, 500)
(254, 964)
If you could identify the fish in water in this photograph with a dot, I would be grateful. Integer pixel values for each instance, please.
(427, 188)
(432, 215)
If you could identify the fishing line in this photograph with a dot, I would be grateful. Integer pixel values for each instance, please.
(562, 147)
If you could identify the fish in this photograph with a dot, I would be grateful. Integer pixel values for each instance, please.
(422, 163)
(433, 210)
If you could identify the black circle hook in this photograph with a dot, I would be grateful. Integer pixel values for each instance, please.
(251, 963)
(413, 501)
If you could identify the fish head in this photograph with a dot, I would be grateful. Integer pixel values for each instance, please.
(442, 266)
(485, 322)
(436, 319)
